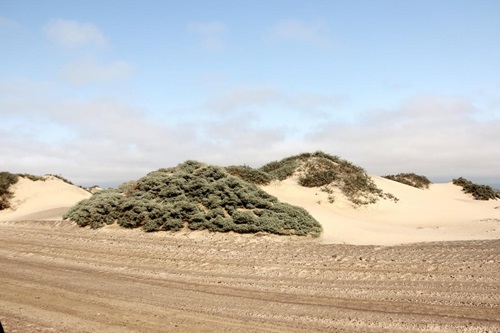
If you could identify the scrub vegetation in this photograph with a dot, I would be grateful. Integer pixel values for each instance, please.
(250, 175)
(6, 180)
(195, 196)
(327, 172)
(411, 179)
(479, 192)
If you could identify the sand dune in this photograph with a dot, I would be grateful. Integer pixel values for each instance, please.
(441, 213)
(42, 200)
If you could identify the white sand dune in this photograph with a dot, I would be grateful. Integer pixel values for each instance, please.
(441, 213)
(42, 200)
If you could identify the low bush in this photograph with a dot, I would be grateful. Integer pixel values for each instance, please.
(318, 172)
(104, 207)
(280, 170)
(411, 179)
(196, 196)
(6, 180)
(479, 192)
(249, 174)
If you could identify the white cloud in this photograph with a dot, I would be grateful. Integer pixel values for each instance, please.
(311, 33)
(434, 136)
(102, 140)
(87, 71)
(212, 34)
(269, 104)
(105, 141)
(69, 33)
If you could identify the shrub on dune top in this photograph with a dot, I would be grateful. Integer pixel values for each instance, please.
(249, 174)
(281, 170)
(411, 179)
(479, 192)
(319, 169)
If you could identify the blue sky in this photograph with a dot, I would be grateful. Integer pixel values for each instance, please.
(105, 91)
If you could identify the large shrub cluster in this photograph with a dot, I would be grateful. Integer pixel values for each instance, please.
(479, 192)
(196, 196)
(411, 179)
(6, 180)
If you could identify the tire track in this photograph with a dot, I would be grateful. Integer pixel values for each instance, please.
(142, 282)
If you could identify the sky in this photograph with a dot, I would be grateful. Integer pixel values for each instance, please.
(103, 92)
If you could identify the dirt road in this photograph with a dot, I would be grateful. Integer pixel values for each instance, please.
(56, 277)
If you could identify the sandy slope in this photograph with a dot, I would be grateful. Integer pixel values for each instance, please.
(441, 213)
(56, 277)
(42, 200)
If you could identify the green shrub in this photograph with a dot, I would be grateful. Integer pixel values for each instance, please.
(244, 217)
(318, 172)
(411, 179)
(198, 222)
(188, 167)
(104, 207)
(479, 192)
(280, 170)
(138, 212)
(6, 180)
(220, 224)
(249, 174)
(196, 196)
(279, 220)
(126, 187)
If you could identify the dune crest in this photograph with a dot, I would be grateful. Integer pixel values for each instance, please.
(45, 199)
